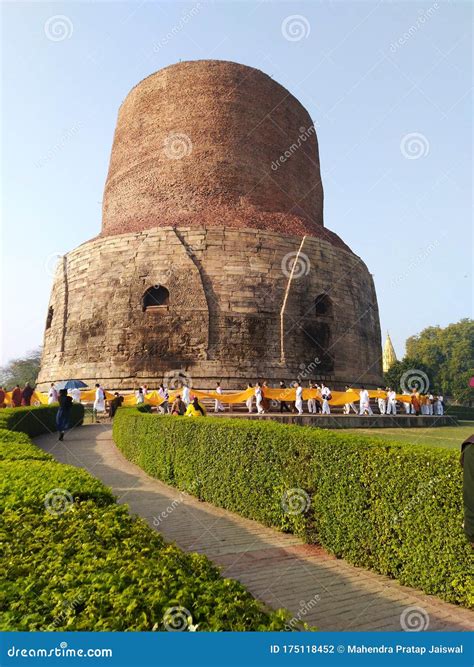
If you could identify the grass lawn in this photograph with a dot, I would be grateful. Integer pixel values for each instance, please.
(448, 437)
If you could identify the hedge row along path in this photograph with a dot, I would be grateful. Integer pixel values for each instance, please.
(277, 568)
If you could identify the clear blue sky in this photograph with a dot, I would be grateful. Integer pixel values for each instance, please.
(369, 73)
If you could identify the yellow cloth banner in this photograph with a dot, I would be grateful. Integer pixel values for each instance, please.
(39, 397)
(289, 395)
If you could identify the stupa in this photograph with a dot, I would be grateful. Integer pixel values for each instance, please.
(213, 262)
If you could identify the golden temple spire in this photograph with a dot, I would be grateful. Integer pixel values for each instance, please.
(389, 356)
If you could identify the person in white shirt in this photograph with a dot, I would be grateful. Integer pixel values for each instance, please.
(349, 406)
(391, 402)
(381, 402)
(364, 402)
(163, 393)
(326, 396)
(430, 404)
(249, 401)
(53, 394)
(186, 395)
(312, 409)
(76, 395)
(218, 407)
(99, 403)
(407, 404)
(140, 396)
(259, 398)
(299, 398)
(439, 406)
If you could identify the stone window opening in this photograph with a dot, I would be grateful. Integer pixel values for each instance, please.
(323, 305)
(156, 299)
(49, 317)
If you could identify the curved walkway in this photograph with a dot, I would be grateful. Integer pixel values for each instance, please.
(277, 568)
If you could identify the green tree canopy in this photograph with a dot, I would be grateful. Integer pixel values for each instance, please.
(448, 354)
(409, 374)
(22, 370)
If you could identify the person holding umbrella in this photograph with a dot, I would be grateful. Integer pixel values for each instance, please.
(73, 387)
(76, 395)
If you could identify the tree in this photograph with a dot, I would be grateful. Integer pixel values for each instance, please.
(21, 370)
(449, 354)
(408, 374)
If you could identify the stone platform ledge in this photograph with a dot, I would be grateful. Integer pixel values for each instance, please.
(350, 421)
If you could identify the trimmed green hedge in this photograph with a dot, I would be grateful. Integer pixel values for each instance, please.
(387, 506)
(29, 485)
(460, 412)
(75, 560)
(101, 569)
(37, 420)
(17, 446)
(14, 436)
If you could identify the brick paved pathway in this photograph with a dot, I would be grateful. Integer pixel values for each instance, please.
(279, 569)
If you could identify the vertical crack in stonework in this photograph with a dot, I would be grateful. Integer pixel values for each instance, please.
(209, 293)
(285, 299)
(66, 304)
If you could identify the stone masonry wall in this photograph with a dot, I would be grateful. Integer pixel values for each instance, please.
(227, 288)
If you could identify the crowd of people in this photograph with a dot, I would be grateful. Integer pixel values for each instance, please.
(387, 403)
(19, 397)
(182, 405)
(290, 400)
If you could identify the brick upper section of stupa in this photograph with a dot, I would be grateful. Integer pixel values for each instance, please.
(214, 143)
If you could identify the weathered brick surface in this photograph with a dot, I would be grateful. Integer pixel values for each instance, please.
(195, 143)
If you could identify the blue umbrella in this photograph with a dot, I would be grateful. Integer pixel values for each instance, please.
(72, 384)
